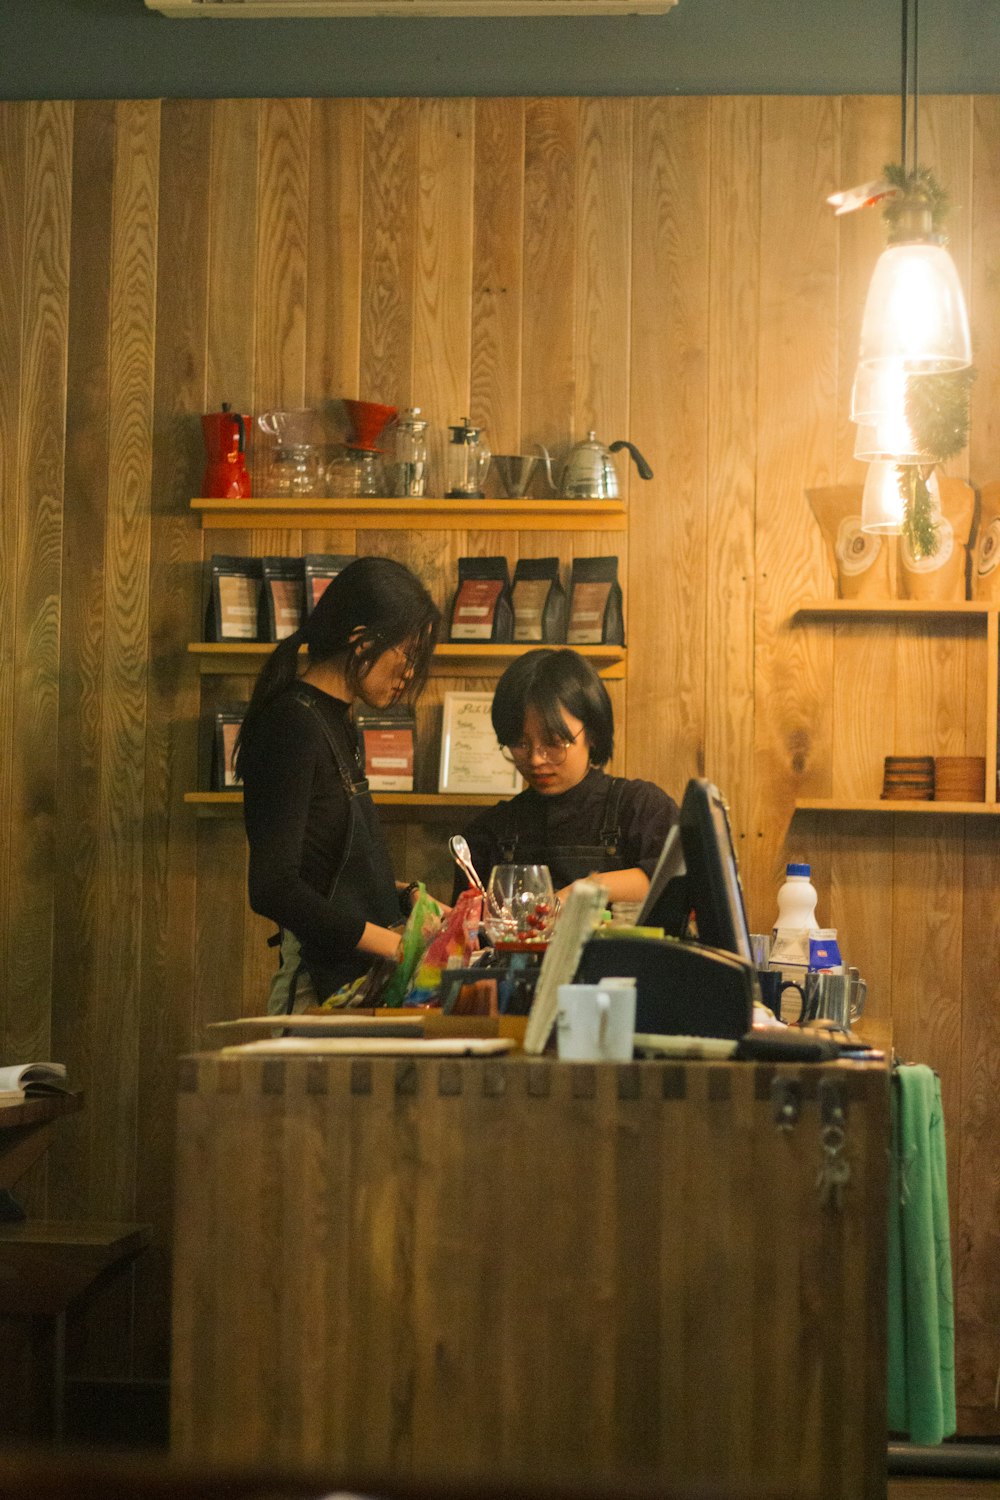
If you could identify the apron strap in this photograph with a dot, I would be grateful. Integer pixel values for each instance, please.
(517, 827)
(354, 785)
(611, 833)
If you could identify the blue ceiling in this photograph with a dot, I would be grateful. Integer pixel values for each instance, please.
(117, 49)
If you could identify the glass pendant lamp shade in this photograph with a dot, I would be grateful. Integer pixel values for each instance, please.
(915, 315)
(881, 503)
(888, 436)
(879, 390)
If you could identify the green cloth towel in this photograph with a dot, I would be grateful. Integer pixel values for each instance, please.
(921, 1310)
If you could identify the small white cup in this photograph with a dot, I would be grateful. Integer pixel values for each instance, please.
(596, 1022)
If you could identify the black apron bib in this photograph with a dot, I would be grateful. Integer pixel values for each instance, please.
(519, 843)
(365, 868)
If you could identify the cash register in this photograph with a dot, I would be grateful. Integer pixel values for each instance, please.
(698, 979)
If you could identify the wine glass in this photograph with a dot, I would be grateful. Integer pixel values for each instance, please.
(520, 904)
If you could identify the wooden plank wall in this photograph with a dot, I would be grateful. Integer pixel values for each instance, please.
(659, 269)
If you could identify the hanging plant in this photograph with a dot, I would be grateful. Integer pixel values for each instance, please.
(918, 187)
(937, 409)
(919, 525)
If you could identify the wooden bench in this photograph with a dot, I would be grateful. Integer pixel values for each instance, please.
(46, 1264)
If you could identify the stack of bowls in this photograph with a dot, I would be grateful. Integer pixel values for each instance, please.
(908, 778)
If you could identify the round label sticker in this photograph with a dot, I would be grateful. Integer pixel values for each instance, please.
(945, 547)
(988, 551)
(856, 550)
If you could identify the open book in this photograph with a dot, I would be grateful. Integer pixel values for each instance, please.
(31, 1080)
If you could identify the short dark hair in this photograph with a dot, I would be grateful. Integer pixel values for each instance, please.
(553, 683)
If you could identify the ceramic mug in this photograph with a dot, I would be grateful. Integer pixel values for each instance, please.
(596, 1022)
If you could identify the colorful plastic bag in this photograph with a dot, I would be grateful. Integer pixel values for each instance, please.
(422, 925)
(456, 941)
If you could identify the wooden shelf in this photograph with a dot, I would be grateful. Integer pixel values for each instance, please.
(412, 515)
(451, 659)
(877, 805)
(894, 607)
(395, 806)
(937, 615)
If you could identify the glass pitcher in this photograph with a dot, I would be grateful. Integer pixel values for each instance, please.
(467, 458)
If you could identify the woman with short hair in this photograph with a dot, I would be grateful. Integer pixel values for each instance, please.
(553, 717)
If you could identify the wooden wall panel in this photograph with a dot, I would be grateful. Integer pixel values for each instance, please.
(76, 989)
(172, 692)
(664, 270)
(668, 515)
(232, 267)
(282, 217)
(497, 268)
(796, 448)
(733, 401)
(126, 644)
(37, 562)
(333, 264)
(13, 127)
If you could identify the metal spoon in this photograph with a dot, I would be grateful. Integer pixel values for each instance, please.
(462, 855)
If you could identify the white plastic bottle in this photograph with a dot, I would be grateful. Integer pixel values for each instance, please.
(796, 919)
(796, 900)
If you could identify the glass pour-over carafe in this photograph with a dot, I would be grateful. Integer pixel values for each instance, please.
(466, 458)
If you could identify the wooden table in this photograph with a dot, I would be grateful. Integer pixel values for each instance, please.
(26, 1131)
(532, 1269)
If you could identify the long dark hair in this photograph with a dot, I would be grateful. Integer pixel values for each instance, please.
(551, 682)
(374, 604)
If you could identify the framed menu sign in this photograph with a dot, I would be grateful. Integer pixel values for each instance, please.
(470, 757)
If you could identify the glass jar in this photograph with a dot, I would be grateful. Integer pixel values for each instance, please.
(408, 455)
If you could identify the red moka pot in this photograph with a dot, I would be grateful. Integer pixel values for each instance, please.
(226, 474)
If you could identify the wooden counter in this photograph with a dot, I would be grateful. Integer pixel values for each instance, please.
(530, 1269)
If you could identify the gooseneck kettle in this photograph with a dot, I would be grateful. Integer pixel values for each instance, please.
(589, 472)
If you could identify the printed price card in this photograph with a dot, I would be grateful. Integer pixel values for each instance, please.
(470, 757)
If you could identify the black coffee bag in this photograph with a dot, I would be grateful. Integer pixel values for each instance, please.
(227, 727)
(595, 603)
(234, 599)
(388, 739)
(538, 600)
(481, 609)
(320, 568)
(282, 599)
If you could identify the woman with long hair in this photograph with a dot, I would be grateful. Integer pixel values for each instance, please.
(553, 718)
(319, 864)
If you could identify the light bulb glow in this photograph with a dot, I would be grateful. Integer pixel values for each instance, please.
(915, 312)
(881, 503)
(888, 438)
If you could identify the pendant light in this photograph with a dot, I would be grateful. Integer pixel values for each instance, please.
(910, 393)
(914, 319)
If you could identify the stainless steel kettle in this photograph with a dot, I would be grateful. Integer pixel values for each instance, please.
(589, 472)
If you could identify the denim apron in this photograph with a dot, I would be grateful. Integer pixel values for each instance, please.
(519, 842)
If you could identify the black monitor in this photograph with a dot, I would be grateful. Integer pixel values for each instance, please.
(697, 879)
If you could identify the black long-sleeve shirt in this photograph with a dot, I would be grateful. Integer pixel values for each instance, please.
(295, 810)
(574, 817)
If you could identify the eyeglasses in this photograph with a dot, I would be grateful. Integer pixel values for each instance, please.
(553, 753)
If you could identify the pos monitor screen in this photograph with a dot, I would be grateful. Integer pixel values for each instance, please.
(697, 876)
